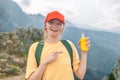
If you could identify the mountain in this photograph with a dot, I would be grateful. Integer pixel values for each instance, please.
(11, 16)
(104, 52)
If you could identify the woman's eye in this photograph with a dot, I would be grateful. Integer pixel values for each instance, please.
(59, 23)
(51, 22)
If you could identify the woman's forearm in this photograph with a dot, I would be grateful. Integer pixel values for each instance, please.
(37, 75)
(82, 66)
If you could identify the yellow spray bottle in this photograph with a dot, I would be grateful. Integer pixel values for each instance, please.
(83, 44)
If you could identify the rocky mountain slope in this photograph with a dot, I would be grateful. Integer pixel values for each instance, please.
(115, 73)
(13, 50)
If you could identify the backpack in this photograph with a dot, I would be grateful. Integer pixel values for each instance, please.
(65, 43)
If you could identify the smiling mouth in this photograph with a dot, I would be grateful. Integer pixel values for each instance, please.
(53, 30)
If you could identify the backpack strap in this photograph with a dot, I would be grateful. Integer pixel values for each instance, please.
(39, 51)
(69, 49)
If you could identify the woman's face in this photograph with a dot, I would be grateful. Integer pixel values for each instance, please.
(54, 28)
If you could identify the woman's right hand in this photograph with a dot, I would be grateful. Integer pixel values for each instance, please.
(51, 57)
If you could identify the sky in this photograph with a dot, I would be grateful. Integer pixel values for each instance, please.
(102, 14)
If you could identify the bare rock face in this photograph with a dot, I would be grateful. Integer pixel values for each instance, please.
(10, 65)
(116, 71)
(14, 47)
(115, 74)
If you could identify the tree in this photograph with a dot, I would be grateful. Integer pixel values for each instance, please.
(111, 77)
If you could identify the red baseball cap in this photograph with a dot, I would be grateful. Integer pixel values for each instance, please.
(55, 15)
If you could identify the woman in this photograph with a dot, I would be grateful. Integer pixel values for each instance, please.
(55, 63)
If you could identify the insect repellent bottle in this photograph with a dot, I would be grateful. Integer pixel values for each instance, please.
(83, 45)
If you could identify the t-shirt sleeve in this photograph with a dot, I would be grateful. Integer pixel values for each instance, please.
(76, 60)
(31, 61)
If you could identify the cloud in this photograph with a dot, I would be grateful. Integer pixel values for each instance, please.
(25, 2)
(111, 18)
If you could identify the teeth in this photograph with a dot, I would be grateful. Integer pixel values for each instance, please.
(54, 30)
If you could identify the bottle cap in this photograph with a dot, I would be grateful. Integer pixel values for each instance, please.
(83, 36)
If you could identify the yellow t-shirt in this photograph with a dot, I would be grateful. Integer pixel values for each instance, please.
(58, 70)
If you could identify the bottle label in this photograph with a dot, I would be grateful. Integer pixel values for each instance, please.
(83, 44)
